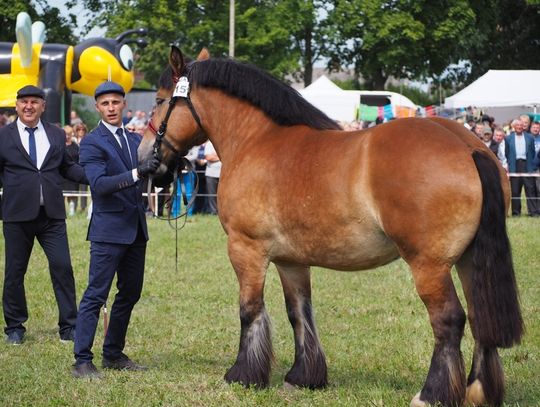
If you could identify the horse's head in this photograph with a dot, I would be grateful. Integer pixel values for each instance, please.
(174, 126)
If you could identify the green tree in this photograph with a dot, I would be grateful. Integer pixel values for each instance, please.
(282, 37)
(197, 24)
(59, 28)
(8, 17)
(304, 20)
(508, 37)
(379, 38)
(398, 38)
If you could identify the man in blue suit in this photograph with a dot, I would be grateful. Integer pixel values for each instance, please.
(519, 149)
(117, 232)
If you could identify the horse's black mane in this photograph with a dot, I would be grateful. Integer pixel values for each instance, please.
(280, 102)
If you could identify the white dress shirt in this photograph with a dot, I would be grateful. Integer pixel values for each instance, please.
(42, 141)
(42, 146)
(521, 151)
(113, 129)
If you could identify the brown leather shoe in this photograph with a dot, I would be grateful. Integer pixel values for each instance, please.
(122, 363)
(86, 370)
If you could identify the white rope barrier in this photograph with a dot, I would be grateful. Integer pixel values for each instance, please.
(524, 174)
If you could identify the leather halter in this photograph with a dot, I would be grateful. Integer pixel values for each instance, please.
(160, 133)
(181, 162)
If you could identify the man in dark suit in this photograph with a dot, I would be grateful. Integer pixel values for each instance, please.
(33, 162)
(519, 150)
(117, 233)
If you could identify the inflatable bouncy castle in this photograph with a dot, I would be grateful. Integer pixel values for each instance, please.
(62, 69)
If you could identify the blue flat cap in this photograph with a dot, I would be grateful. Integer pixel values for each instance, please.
(30, 90)
(108, 87)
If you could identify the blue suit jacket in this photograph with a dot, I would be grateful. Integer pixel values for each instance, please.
(510, 150)
(117, 204)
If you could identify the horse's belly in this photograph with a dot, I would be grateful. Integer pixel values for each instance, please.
(339, 251)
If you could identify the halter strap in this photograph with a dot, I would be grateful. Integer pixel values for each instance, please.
(194, 112)
(160, 138)
(160, 134)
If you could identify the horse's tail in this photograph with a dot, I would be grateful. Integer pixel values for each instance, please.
(497, 315)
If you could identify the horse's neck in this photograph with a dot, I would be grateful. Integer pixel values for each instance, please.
(228, 121)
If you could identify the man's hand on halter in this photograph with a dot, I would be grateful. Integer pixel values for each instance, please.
(147, 168)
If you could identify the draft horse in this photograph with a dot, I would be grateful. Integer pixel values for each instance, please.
(298, 191)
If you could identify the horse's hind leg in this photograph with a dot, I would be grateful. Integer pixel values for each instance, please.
(309, 368)
(485, 384)
(445, 382)
(253, 363)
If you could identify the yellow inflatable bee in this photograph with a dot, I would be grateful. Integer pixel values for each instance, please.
(60, 69)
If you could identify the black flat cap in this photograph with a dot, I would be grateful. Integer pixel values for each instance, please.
(108, 87)
(30, 90)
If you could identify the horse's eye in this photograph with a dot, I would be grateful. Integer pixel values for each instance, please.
(159, 102)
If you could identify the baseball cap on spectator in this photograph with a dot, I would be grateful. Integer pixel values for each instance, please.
(487, 130)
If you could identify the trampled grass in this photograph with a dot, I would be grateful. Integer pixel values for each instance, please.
(373, 327)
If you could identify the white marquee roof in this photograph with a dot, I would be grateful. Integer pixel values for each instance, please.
(341, 104)
(498, 88)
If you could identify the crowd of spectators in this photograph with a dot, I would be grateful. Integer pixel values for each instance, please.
(517, 146)
(515, 143)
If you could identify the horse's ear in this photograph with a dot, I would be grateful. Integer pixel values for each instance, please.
(203, 55)
(176, 60)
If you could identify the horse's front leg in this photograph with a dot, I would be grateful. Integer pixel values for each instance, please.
(253, 363)
(309, 368)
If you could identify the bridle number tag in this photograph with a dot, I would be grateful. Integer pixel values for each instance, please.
(182, 87)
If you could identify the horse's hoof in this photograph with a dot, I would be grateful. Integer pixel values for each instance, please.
(289, 387)
(416, 402)
(475, 394)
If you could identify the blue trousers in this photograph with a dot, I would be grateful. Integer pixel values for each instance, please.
(106, 260)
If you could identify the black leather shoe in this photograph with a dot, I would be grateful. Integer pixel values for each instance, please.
(85, 370)
(15, 338)
(67, 336)
(122, 363)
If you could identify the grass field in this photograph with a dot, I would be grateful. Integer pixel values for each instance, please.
(373, 327)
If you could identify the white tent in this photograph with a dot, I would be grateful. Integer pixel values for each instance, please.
(342, 104)
(396, 99)
(499, 89)
(323, 85)
(325, 95)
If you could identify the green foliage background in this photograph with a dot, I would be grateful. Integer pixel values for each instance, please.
(451, 42)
